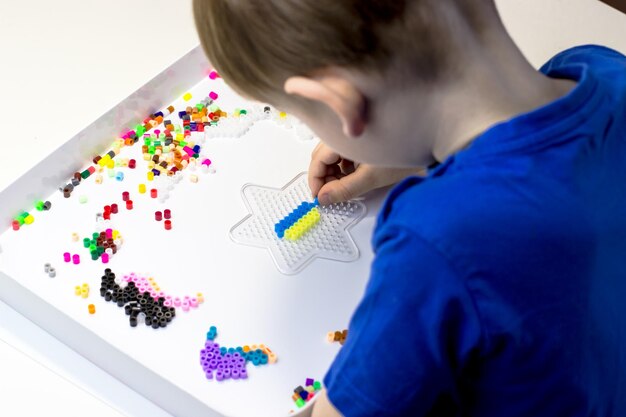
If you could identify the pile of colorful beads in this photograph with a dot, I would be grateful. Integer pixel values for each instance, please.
(302, 395)
(337, 336)
(148, 285)
(137, 305)
(103, 245)
(230, 363)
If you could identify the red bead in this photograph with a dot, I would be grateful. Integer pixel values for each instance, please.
(129, 204)
(132, 164)
(114, 209)
(16, 225)
(106, 215)
(167, 213)
(125, 196)
(154, 193)
(91, 170)
(107, 209)
(168, 225)
(158, 216)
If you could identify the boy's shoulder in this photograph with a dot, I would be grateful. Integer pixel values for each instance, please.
(504, 180)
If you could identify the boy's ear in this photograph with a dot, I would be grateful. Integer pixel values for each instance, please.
(339, 94)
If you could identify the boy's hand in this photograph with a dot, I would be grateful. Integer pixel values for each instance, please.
(334, 179)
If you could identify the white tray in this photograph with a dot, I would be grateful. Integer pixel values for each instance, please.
(248, 299)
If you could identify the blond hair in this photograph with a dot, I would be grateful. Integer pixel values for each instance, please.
(256, 45)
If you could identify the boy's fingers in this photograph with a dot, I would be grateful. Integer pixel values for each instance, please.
(321, 159)
(345, 188)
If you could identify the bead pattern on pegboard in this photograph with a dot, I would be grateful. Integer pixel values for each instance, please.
(329, 239)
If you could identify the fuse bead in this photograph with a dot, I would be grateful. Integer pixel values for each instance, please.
(15, 225)
(125, 196)
(154, 193)
(91, 308)
(76, 259)
(142, 188)
(168, 225)
(67, 257)
(167, 213)
(129, 204)
(158, 216)
(114, 209)
(187, 96)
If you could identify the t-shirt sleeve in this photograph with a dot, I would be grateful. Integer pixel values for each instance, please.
(411, 337)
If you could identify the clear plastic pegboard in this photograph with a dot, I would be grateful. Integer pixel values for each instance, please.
(329, 239)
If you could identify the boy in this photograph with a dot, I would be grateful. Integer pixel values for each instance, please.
(499, 283)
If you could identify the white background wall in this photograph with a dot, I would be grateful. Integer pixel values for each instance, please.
(64, 63)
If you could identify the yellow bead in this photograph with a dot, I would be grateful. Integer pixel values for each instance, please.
(187, 96)
(29, 219)
(77, 290)
(150, 176)
(142, 188)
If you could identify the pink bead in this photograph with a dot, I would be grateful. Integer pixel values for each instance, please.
(213, 75)
(109, 233)
(176, 302)
(105, 258)
(193, 302)
(76, 259)
(206, 162)
(167, 303)
(67, 257)
(185, 306)
(213, 95)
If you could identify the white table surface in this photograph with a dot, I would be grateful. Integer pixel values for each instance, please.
(89, 56)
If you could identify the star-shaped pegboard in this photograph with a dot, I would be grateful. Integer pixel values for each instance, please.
(329, 239)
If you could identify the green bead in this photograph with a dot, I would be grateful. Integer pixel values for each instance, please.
(151, 150)
(95, 235)
(85, 174)
(243, 112)
(300, 403)
(157, 143)
(94, 255)
(39, 205)
(147, 141)
(182, 143)
(317, 385)
(93, 248)
(100, 250)
(86, 242)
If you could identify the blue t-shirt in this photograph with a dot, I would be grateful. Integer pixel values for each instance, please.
(499, 283)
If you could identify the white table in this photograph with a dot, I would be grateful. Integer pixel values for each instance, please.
(55, 54)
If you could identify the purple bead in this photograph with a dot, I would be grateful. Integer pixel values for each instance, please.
(243, 374)
(219, 376)
(221, 366)
(209, 374)
(309, 382)
(227, 373)
(234, 374)
(213, 364)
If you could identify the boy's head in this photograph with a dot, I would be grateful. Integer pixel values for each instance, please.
(337, 64)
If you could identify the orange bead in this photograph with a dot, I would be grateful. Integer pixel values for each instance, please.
(92, 309)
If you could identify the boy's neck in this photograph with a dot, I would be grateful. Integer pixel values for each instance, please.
(498, 83)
